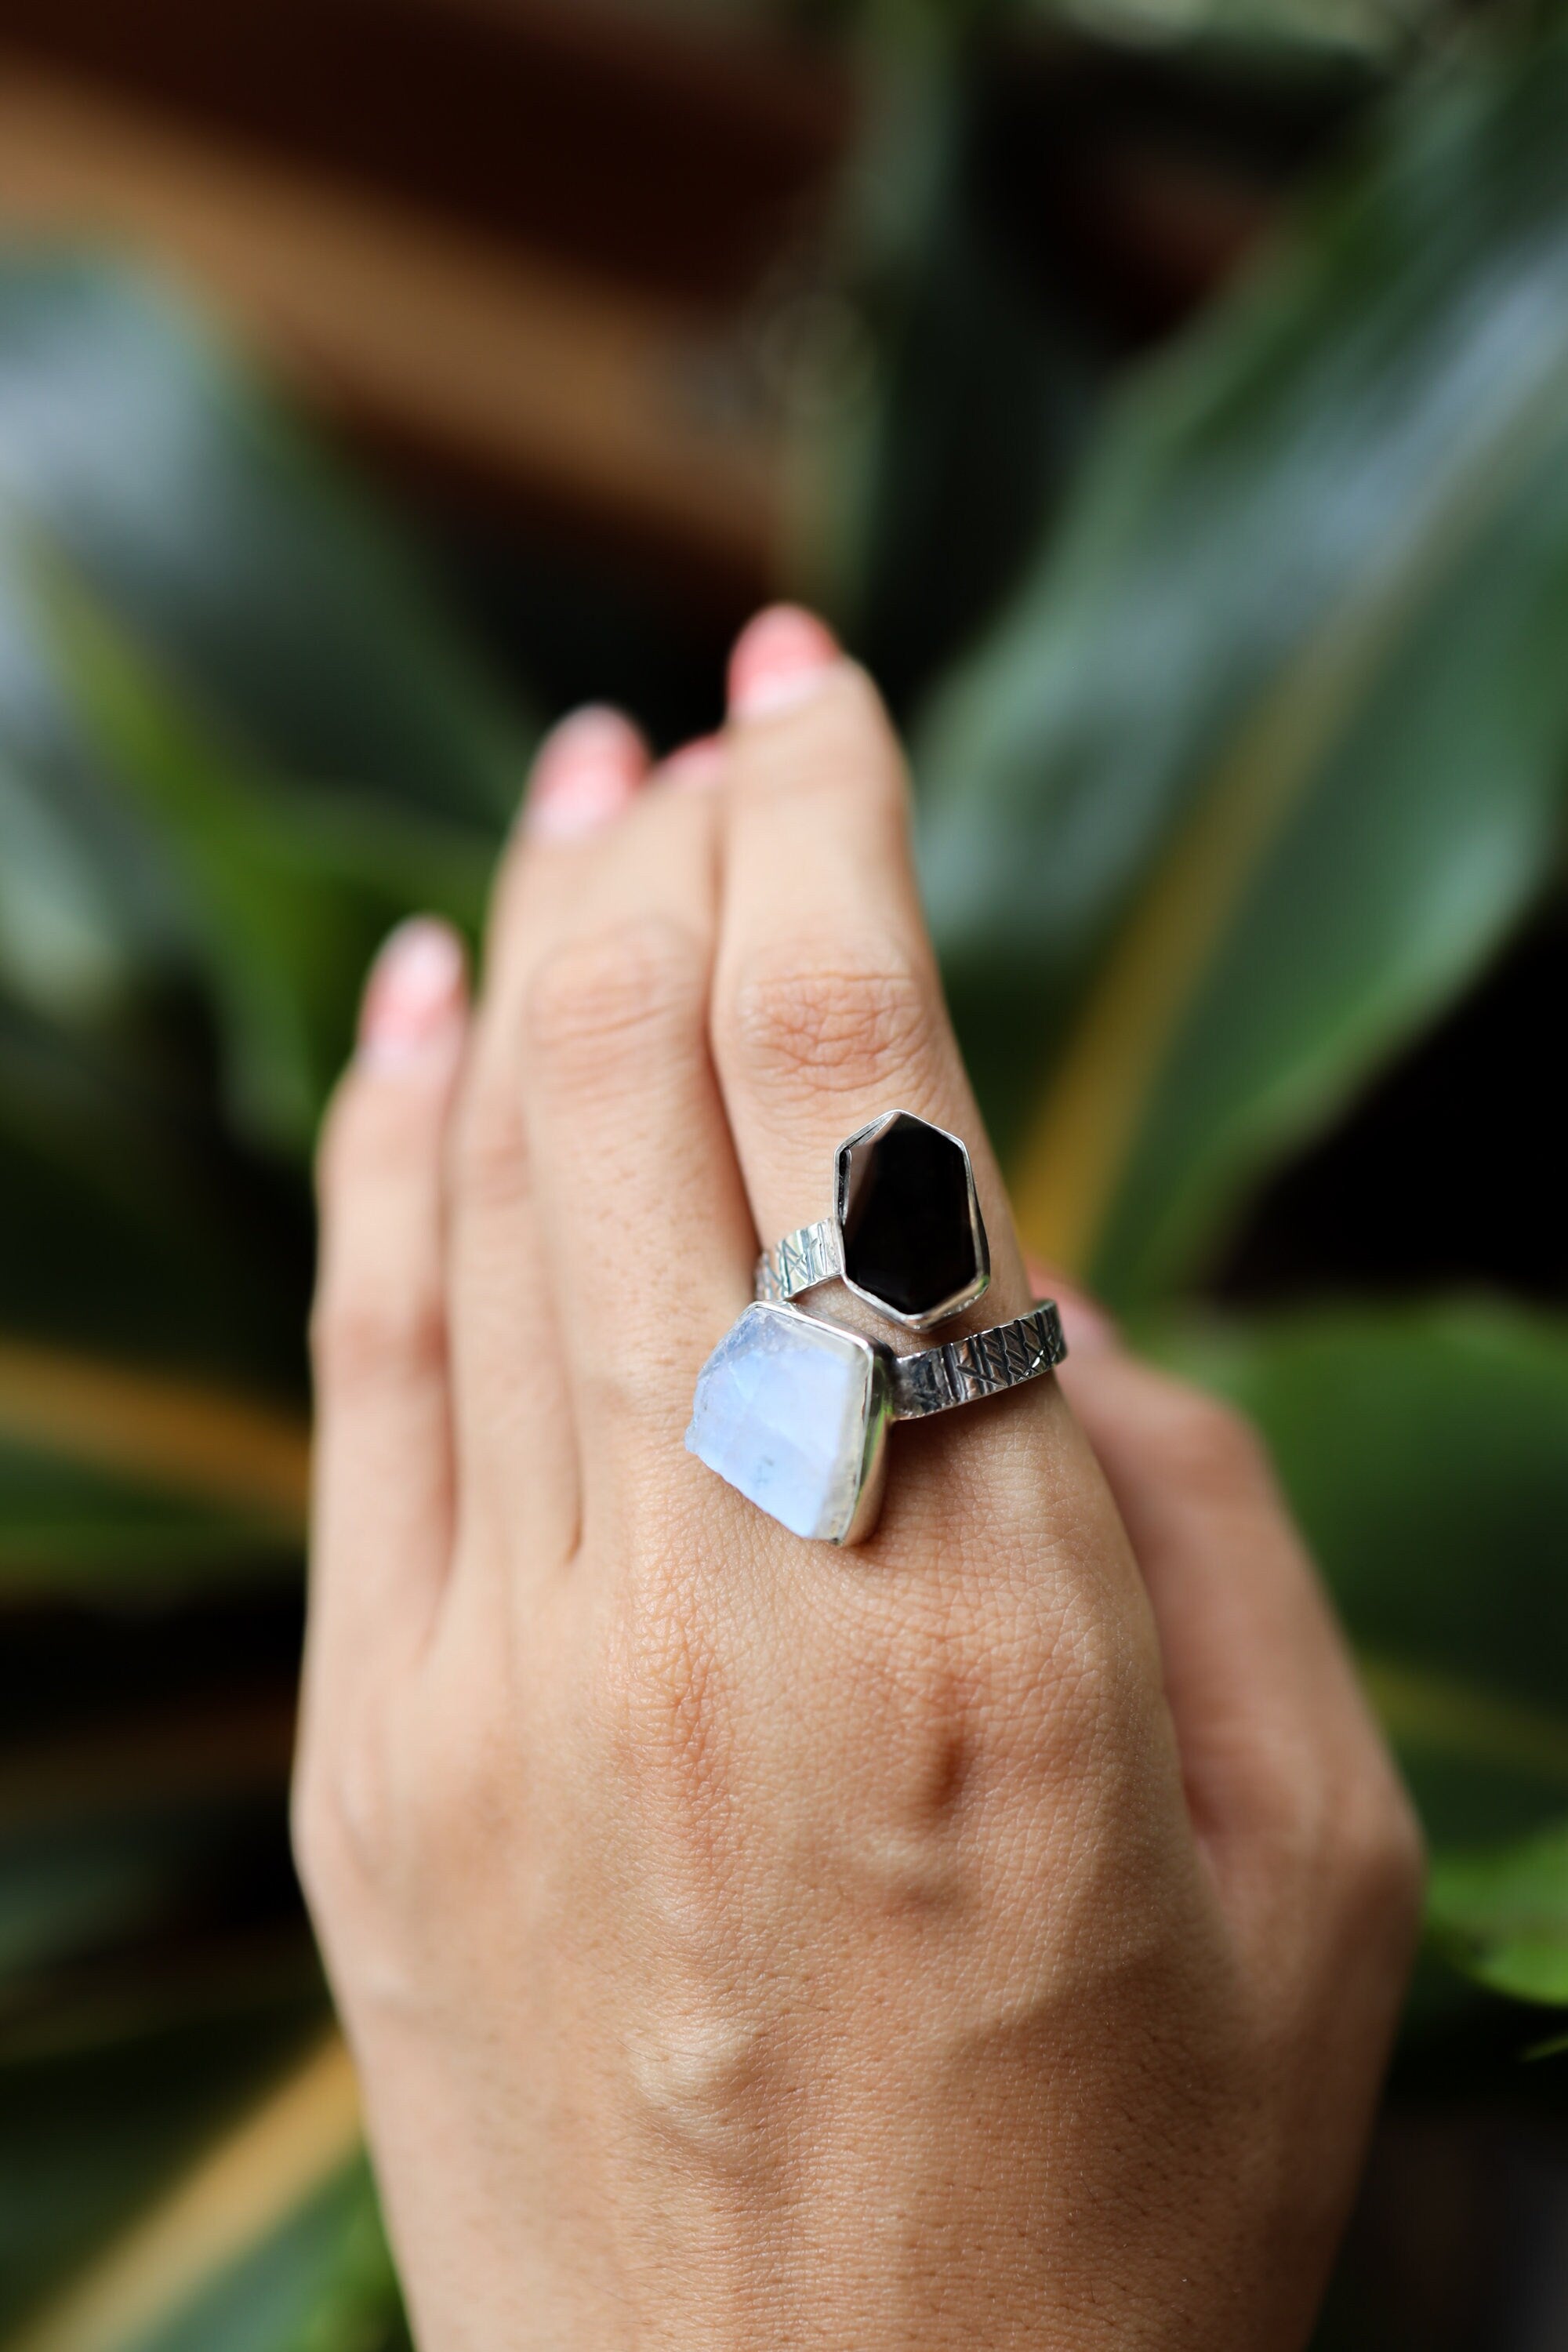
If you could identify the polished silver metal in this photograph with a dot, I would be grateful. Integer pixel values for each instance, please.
(815, 1253)
(937, 1380)
(962, 1371)
(800, 1262)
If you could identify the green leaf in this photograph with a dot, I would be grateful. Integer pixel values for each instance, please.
(262, 584)
(143, 1858)
(147, 1235)
(284, 897)
(1284, 713)
(107, 1470)
(1424, 1451)
(64, 1529)
(263, 2239)
(1504, 1916)
(255, 2225)
(1282, 32)
(236, 742)
(320, 2281)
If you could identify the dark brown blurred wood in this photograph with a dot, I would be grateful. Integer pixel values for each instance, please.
(673, 161)
(494, 365)
(508, 244)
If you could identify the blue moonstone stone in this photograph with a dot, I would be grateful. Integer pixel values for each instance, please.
(780, 1413)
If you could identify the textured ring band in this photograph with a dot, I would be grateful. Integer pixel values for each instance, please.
(794, 1413)
(961, 1371)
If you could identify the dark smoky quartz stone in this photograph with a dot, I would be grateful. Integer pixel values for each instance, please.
(909, 1238)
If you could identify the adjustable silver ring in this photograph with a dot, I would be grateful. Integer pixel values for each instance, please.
(794, 1413)
(906, 1234)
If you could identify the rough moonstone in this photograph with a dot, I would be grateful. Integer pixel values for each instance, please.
(780, 1411)
(909, 1236)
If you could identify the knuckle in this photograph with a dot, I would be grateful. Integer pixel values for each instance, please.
(367, 1336)
(1383, 1854)
(1207, 1447)
(337, 1824)
(594, 1007)
(800, 1022)
(309, 1835)
(1347, 1834)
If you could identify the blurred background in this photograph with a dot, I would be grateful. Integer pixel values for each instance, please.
(1170, 398)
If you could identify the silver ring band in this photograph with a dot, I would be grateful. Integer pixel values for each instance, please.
(800, 1262)
(962, 1371)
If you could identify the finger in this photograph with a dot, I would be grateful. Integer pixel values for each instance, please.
(383, 1517)
(1088, 1330)
(1278, 1745)
(829, 1011)
(647, 1233)
(513, 1415)
(828, 1008)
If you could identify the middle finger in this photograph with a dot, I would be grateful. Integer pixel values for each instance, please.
(829, 1006)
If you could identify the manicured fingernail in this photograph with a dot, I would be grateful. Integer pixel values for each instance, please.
(780, 659)
(413, 998)
(587, 770)
(696, 766)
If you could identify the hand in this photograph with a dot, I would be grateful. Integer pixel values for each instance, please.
(991, 1937)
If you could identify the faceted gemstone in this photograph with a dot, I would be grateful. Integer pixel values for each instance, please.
(780, 1412)
(909, 1237)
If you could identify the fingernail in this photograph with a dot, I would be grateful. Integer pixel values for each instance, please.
(587, 770)
(415, 995)
(780, 659)
(695, 766)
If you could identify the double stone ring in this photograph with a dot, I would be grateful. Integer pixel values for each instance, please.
(793, 1410)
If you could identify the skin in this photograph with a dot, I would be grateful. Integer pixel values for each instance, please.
(991, 1937)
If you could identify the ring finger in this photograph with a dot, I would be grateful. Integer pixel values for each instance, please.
(643, 1223)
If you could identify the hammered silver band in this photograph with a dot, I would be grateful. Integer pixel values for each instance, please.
(800, 1261)
(962, 1371)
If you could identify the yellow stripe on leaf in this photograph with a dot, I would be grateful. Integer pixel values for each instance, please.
(287, 2149)
(1088, 1131)
(180, 1435)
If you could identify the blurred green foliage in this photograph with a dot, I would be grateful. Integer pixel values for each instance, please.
(1253, 761)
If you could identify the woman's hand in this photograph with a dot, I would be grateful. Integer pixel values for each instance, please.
(990, 1937)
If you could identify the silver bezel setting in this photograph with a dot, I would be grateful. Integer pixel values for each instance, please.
(910, 1388)
(961, 1298)
(873, 1437)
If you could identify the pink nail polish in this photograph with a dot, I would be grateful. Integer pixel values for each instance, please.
(415, 995)
(588, 769)
(780, 660)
